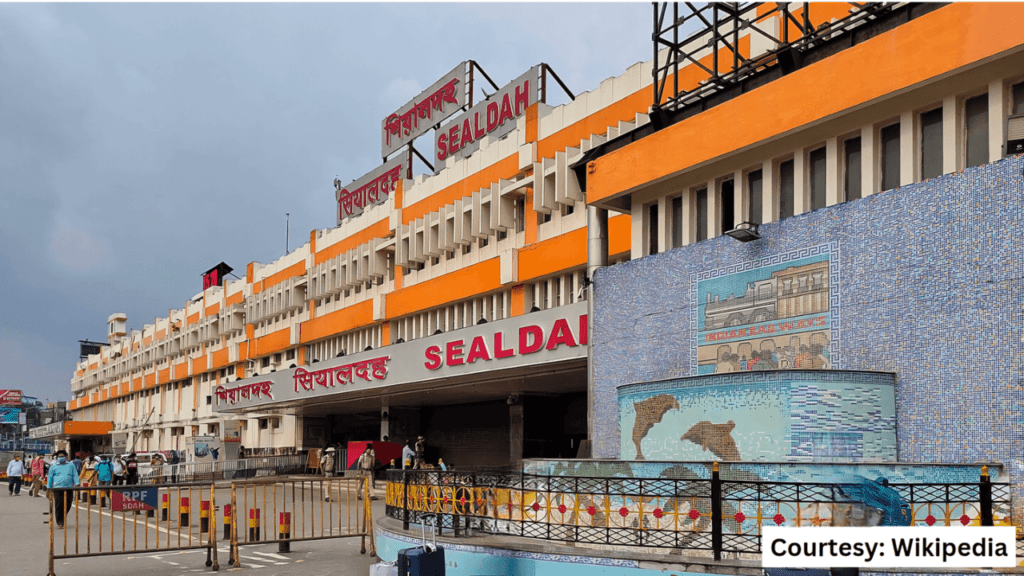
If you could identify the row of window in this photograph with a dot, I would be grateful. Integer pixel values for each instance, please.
(930, 163)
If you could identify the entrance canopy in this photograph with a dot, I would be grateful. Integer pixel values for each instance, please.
(528, 353)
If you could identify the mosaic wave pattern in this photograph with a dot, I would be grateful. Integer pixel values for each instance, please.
(799, 415)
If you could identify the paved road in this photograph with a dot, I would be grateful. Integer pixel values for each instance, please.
(24, 534)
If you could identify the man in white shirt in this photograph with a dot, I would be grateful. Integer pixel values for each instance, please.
(407, 456)
(15, 470)
(118, 472)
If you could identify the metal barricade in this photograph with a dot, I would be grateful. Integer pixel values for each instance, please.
(263, 512)
(110, 520)
(223, 469)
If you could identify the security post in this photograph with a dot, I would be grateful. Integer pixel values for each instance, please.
(285, 532)
(254, 524)
(227, 522)
(183, 509)
(204, 516)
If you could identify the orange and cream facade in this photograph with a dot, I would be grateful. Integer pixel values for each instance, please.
(454, 305)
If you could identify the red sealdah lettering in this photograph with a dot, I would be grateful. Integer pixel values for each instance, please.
(442, 146)
(478, 351)
(500, 352)
(433, 358)
(492, 116)
(527, 347)
(560, 334)
(522, 98)
(455, 353)
(506, 110)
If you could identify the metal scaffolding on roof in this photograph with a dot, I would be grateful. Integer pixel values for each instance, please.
(708, 36)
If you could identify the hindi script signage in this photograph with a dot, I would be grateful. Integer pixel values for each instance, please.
(444, 98)
(372, 189)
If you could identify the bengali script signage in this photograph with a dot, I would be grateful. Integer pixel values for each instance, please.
(444, 98)
(244, 391)
(372, 189)
(368, 370)
(495, 116)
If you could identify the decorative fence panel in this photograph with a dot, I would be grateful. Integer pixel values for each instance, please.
(704, 514)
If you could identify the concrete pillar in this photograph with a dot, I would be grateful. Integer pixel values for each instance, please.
(770, 193)
(636, 230)
(664, 227)
(909, 166)
(952, 136)
(834, 192)
(516, 435)
(741, 199)
(714, 210)
(597, 258)
(689, 217)
(870, 175)
(997, 113)
(801, 191)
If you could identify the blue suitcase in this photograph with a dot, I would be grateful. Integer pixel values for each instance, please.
(422, 560)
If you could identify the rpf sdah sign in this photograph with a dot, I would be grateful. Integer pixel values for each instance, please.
(133, 499)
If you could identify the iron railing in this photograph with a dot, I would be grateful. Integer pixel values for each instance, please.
(116, 520)
(705, 514)
(223, 469)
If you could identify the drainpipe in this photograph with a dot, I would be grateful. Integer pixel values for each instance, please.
(597, 258)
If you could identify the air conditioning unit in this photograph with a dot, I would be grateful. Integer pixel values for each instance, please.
(1015, 135)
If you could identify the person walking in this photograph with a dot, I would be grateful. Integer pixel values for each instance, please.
(78, 462)
(63, 475)
(131, 470)
(327, 462)
(408, 455)
(15, 470)
(118, 468)
(367, 462)
(38, 469)
(104, 471)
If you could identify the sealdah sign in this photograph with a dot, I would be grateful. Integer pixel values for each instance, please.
(531, 339)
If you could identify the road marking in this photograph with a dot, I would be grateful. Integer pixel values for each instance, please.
(272, 555)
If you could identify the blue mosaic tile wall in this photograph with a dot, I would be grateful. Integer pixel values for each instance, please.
(927, 282)
(799, 415)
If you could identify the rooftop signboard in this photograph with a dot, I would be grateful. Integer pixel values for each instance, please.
(10, 398)
(372, 189)
(495, 117)
(435, 104)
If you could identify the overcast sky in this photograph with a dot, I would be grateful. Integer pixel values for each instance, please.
(142, 144)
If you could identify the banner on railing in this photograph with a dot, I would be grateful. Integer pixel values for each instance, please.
(134, 499)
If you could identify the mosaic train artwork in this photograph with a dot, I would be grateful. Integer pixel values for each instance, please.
(775, 315)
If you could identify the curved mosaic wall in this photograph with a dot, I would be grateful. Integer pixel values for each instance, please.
(784, 415)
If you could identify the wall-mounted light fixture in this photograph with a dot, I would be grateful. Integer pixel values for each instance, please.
(745, 232)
